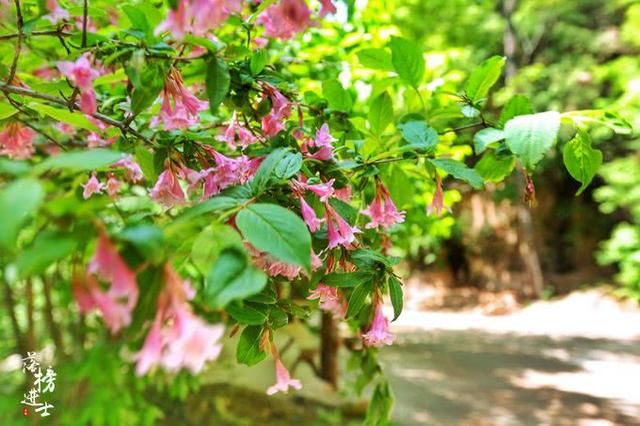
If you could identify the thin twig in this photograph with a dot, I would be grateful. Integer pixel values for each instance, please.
(458, 129)
(16, 56)
(55, 33)
(51, 139)
(7, 88)
(85, 13)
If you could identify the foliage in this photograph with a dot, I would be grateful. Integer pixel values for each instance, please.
(176, 218)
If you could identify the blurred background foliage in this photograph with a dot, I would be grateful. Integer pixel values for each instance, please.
(564, 55)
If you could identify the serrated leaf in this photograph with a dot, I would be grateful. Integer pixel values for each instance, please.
(380, 113)
(289, 166)
(259, 60)
(246, 313)
(217, 81)
(277, 231)
(459, 170)
(483, 78)
(407, 60)
(352, 279)
(581, 159)
(517, 105)
(376, 58)
(529, 137)
(419, 135)
(358, 297)
(494, 168)
(486, 137)
(248, 351)
(396, 296)
(232, 278)
(337, 96)
(266, 169)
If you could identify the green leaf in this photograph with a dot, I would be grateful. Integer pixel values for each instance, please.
(266, 169)
(399, 185)
(148, 239)
(483, 78)
(246, 313)
(369, 259)
(289, 166)
(47, 248)
(357, 299)
(248, 351)
(337, 96)
(144, 158)
(486, 137)
(18, 200)
(530, 136)
(147, 86)
(136, 17)
(352, 279)
(517, 105)
(277, 231)
(92, 159)
(380, 406)
(459, 170)
(218, 81)
(581, 159)
(395, 293)
(76, 119)
(419, 135)
(258, 61)
(214, 204)
(6, 110)
(407, 60)
(494, 168)
(375, 58)
(232, 278)
(380, 113)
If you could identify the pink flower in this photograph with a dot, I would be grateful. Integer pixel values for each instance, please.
(331, 300)
(273, 122)
(80, 72)
(93, 186)
(323, 148)
(382, 211)
(167, 190)
(339, 232)
(327, 7)
(16, 141)
(186, 106)
(56, 13)
(133, 170)
(378, 334)
(437, 204)
(286, 18)
(94, 140)
(177, 21)
(283, 380)
(343, 194)
(236, 131)
(116, 304)
(228, 172)
(113, 186)
(323, 190)
(178, 338)
(198, 16)
(193, 343)
(309, 216)
(88, 103)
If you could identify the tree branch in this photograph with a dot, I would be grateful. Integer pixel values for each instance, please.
(7, 88)
(85, 13)
(56, 33)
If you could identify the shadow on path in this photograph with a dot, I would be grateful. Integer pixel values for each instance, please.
(477, 378)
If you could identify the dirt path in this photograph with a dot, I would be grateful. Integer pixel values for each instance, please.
(574, 361)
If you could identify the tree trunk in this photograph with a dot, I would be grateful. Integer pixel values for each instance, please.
(21, 345)
(329, 350)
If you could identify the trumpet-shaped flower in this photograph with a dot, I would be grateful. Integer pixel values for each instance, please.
(382, 210)
(16, 141)
(378, 334)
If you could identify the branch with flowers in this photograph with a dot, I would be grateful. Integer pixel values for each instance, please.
(180, 181)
